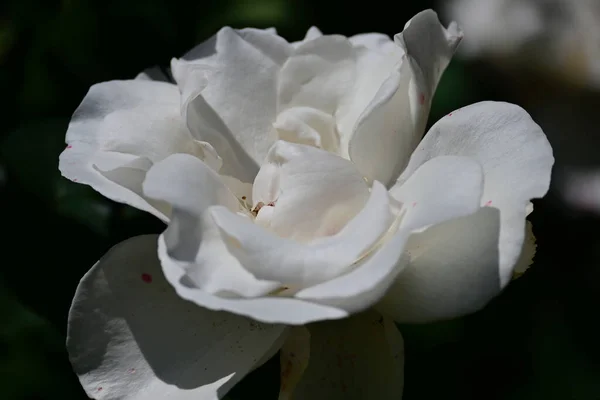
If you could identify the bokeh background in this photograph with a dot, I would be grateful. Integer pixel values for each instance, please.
(538, 340)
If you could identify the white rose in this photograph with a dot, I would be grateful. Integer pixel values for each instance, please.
(285, 174)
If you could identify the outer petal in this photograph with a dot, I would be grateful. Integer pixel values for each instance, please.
(442, 188)
(516, 159)
(447, 274)
(452, 271)
(391, 125)
(361, 357)
(118, 131)
(235, 73)
(131, 337)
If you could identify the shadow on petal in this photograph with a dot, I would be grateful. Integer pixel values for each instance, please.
(131, 337)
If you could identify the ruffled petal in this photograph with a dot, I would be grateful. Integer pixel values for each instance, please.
(229, 85)
(118, 131)
(515, 156)
(390, 126)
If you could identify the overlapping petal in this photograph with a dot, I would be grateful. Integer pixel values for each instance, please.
(391, 125)
(120, 129)
(215, 253)
(131, 337)
(457, 267)
(193, 240)
(229, 83)
(431, 199)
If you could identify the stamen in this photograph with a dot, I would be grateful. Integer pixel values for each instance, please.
(260, 205)
(257, 208)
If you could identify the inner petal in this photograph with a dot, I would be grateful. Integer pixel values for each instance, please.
(307, 125)
(308, 192)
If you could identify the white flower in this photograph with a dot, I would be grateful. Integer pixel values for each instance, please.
(557, 36)
(285, 174)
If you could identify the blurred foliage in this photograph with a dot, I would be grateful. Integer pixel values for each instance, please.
(536, 341)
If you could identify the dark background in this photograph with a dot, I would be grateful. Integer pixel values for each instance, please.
(538, 340)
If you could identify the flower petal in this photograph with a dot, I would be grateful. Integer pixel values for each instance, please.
(298, 178)
(170, 180)
(306, 125)
(389, 128)
(442, 189)
(429, 46)
(300, 265)
(295, 265)
(374, 41)
(198, 258)
(318, 74)
(193, 240)
(212, 253)
(294, 356)
(235, 74)
(452, 271)
(366, 283)
(374, 62)
(361, 357)
(515, 156)
(336, 77)
(117, 123)
(131, 337)
(284, 310)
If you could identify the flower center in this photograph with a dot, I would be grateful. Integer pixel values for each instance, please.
(307, 125)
